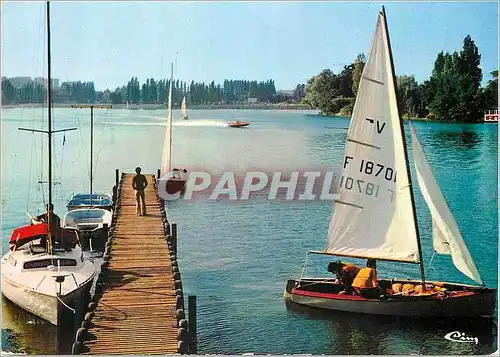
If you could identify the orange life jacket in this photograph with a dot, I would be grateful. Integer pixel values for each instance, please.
(364, 279)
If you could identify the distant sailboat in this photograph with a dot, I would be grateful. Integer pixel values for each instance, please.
(184, 109)
(176, 183)
(375, 215)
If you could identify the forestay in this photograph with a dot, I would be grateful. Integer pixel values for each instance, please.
(374, 215)
(167, 144)
(447, 238)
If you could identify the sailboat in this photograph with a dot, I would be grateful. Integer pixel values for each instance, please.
(90, 213)
(38, 276)
(184, 108)
(176, 182)
(374, 216)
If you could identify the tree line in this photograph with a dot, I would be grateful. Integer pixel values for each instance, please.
(152, 91)
(453, 92)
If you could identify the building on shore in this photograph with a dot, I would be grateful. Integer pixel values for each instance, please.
(491, 116)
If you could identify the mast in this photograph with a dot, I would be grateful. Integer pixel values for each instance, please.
(49, 129)
(412, 198)
(170, 115)
(91, 106)
(91, 148)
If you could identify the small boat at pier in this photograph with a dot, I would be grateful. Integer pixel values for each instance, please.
(375, 216)
(237, 124)
(90, 213)
(176, 180)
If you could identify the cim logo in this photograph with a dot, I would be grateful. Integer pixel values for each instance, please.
(457, 336)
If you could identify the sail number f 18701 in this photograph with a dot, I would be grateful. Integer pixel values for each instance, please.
(370, 168)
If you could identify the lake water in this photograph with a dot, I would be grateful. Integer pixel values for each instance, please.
(236, 256)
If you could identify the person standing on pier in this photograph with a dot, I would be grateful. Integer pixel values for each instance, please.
(139, 183)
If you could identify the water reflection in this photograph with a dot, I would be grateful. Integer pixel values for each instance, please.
(460, 140)
(368, 334)
(24, 329)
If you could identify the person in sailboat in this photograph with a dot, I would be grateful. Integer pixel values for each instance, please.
(55, 222)
(345, 272)
(139, 184)
(365, 283)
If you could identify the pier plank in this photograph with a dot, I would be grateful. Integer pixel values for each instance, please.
(137, 311)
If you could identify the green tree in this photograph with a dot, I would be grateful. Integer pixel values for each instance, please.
(490, 93)
(359, 65)
(453, 91)
(8, 92)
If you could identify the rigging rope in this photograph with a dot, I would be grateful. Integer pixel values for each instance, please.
(106, 116)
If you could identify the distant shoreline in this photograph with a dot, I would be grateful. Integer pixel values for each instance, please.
(281, 106)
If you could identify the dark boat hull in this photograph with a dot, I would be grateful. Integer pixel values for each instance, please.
(465, 301)
(237, 124)
(174, 185)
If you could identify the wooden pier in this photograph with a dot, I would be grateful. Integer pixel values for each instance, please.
(138, 307)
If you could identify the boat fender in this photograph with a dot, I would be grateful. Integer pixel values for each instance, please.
(183, 323)
(107, 251)
(175, 268)
(179, 313)
(407, 288)
(89, 316)
(396, 288)
(178, 292)
(76, 348)
(86, 324)
(177, 276)
(420, 288)
(178, 284)
(92, 306)
(182, 334)
(81, 333)
(174, 264)
(106, 257)
(178, 301)
(182, 347)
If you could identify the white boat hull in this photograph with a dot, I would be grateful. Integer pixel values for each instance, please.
(29, 280)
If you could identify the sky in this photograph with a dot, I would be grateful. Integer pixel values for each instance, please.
(289, 42)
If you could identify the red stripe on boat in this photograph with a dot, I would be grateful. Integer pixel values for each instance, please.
(327, 296)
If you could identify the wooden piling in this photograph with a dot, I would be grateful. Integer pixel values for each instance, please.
(117, 177)
(193, 345)
(174, 238)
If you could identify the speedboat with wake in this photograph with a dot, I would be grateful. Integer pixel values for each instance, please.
(237, 124)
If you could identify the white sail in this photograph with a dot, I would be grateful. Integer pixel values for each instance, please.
(167, 143)
(183, 107)
(447, 238)
(374, 215)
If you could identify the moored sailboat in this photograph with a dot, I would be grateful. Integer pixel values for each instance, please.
(45, 267)
(175, 181)
(184, 109)
(375, 216)
(90, 214)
